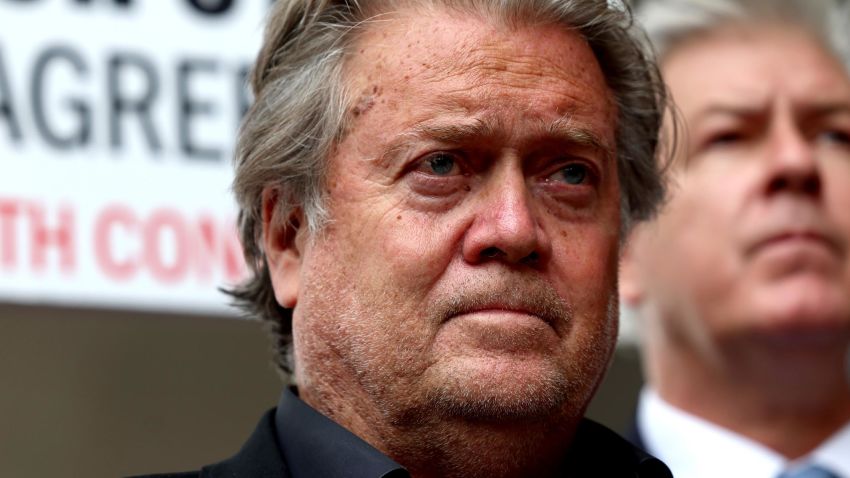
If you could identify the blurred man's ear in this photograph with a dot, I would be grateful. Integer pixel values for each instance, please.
(282, 244)
(631, 287)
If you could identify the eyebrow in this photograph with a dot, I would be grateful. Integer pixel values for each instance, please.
(812, 110)
(828, 109)
(563, 129)
(454, 132)
(731, 110)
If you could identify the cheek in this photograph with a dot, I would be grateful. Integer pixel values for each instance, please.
(837, 190)
(587, 251)
(692, 235)
(587, 256)
(418, 246)
(585, 274)
(838, 199)
(697, 222)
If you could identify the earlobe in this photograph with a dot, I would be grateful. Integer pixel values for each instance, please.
(631, 289)
(283, 254)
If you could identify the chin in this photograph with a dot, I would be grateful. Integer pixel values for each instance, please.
(805, 302)
(804, 326)
(513, 389)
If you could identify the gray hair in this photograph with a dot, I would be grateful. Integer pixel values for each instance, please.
(669, 23)
(301, 110)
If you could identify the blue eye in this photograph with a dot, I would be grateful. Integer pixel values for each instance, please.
(441, 164)
(835, 137)
(573, 174)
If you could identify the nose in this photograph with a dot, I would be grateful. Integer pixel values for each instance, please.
(505, 227)
(793, 163)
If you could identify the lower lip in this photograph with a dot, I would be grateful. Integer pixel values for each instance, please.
(796, 248)
(503, 330)
(795, 242)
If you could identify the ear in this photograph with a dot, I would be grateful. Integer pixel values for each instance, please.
(631, 287)
(282, 245)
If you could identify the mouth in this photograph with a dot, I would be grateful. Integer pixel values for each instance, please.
(507, 311)
(501, 328)
(520, 317)
(802, 248)
(500, 313)
(804, 239)
(505, 304)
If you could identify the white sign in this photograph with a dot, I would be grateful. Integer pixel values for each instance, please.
(117, 124)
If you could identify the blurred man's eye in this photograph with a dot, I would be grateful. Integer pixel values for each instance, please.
(836, 137)
(725, 138)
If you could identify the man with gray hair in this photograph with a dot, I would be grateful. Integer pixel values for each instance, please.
(742, 283)
(433, 194)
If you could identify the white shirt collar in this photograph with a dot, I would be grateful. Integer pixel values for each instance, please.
(834, 453)
(695, 448)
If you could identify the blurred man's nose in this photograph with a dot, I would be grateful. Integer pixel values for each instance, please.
(792, 159)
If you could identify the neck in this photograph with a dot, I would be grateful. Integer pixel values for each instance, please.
(788, 396)
(436, 446)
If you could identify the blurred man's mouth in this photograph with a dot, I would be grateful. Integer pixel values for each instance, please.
(796, 241)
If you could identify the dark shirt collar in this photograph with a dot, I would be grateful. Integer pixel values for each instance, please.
(314, 445)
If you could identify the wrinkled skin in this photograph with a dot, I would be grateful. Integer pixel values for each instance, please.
(468, 274)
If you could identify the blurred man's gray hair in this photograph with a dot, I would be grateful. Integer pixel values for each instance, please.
(669, 23)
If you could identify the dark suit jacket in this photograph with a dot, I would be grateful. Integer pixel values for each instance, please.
(634, 436)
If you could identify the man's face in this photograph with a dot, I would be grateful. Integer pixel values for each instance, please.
(754, 242)
(470, 264)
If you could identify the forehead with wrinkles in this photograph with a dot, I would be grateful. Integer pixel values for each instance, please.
(414, 49)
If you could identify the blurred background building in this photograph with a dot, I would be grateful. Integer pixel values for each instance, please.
(118, 353)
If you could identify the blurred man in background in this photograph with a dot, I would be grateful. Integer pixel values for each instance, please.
(743, 282)
(432, 196)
